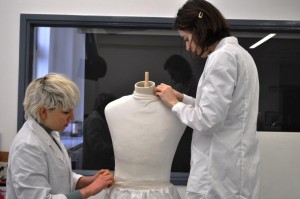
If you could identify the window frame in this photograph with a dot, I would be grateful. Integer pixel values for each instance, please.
(29, 21)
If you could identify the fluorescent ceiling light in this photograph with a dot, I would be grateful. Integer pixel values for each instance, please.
(263, 40)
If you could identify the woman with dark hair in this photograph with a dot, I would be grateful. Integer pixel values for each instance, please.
(224, 151)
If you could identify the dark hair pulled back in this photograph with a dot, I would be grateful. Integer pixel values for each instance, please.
(204, 21)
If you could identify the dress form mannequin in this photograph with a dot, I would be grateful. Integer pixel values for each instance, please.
(145, 135)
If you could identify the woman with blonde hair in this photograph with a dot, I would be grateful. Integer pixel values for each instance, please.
(39, 165)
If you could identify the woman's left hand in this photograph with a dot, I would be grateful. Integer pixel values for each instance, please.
(166, 94)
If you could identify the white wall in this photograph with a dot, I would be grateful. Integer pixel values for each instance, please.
(280, 165)
(10, 21)
(280, 169)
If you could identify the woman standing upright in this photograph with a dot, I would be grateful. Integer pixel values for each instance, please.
(224, 153)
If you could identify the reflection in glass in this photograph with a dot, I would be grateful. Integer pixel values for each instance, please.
(95, 65)
(105, 60)
(184, 81)
(97, 144)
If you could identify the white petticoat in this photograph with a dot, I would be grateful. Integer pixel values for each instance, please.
(128, 192)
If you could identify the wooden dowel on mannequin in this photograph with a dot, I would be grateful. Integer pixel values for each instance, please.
(146, 83)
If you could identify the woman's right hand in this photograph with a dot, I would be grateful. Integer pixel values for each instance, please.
(103, 179)
(168, 95)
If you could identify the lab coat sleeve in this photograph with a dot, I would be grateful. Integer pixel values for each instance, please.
(188, 100)
(30, 169)
(214, 95)
(76, 178)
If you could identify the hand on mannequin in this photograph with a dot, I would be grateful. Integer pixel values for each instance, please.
(168, 95)
(92, 185)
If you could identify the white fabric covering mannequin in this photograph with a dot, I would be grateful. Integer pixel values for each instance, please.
(145, 135)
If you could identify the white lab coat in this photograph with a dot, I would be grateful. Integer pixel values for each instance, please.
(37, 168)
(224, 153)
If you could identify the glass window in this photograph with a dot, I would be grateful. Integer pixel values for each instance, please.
(107, 60)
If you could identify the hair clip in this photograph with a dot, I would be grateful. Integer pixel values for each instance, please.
(200, 15)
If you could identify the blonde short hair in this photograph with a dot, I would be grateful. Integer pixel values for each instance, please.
(53, 91)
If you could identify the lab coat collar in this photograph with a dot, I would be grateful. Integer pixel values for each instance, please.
(225, 40)
(40, 132)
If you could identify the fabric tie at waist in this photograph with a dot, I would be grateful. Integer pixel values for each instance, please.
(141, 184)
